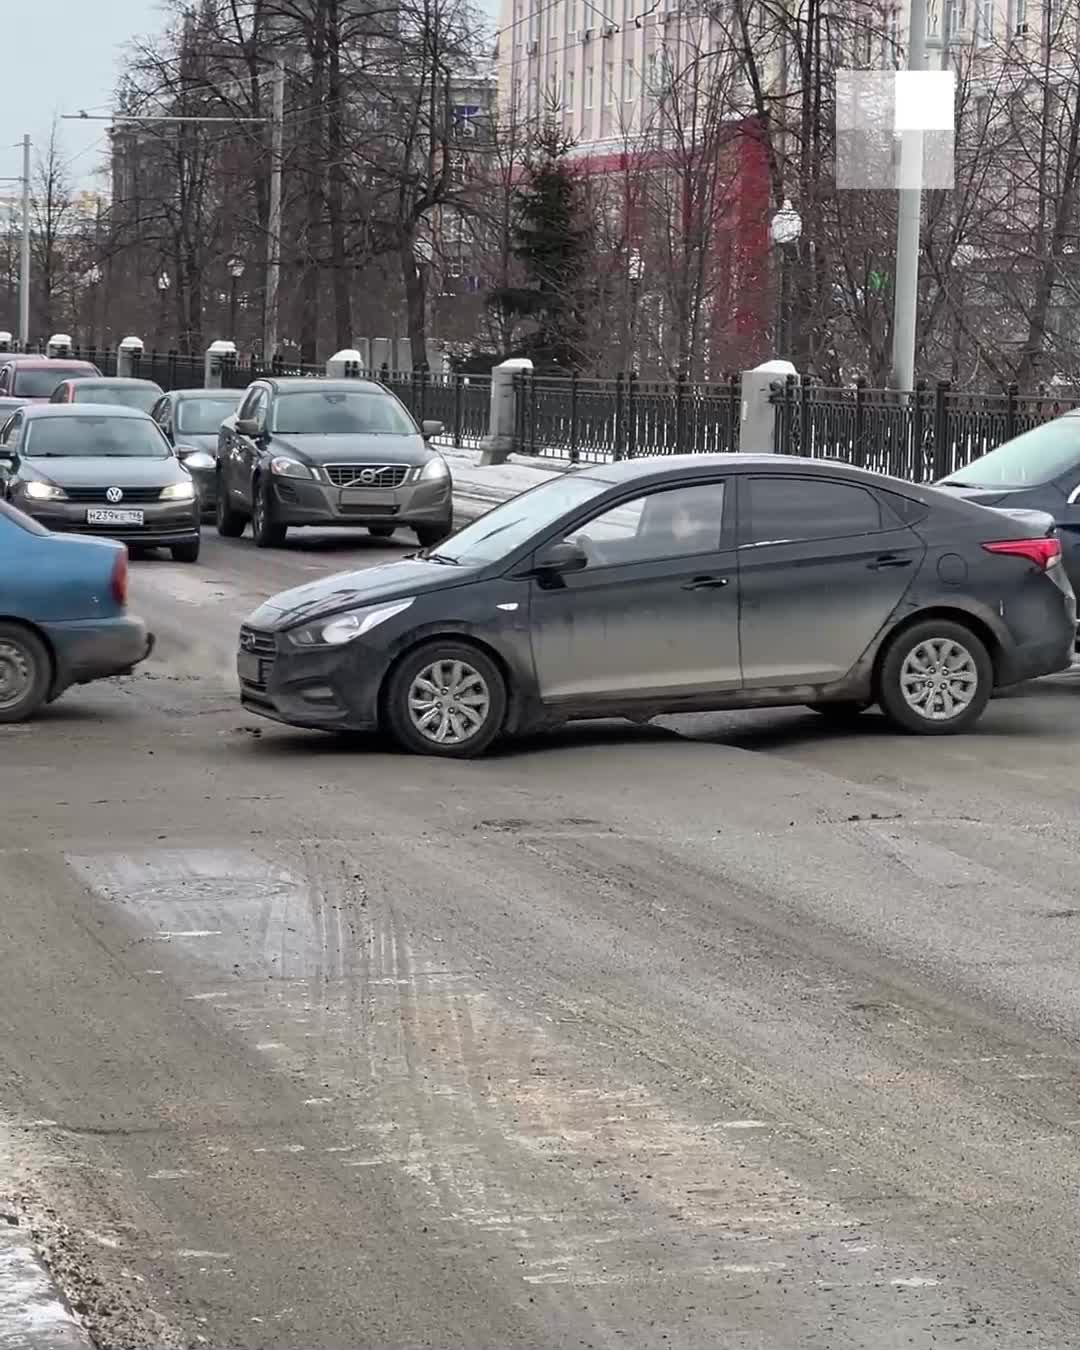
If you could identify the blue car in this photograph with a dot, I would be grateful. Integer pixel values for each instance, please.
(63, 614)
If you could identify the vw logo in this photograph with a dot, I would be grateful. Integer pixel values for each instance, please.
(114, 495)
(367, 476)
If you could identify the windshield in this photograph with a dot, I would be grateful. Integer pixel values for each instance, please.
(89, 437)
(204, 416)
(40, 383)
(127, 396)
(1038, 456)
(340, 413)
(507, 527)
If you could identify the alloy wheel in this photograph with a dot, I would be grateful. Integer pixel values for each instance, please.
(939, 679)
(449, 702)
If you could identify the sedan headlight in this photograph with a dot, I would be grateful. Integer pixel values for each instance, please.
(42, 492)
(178, 492)
(285, 467)
(344, 628)
(435, 469)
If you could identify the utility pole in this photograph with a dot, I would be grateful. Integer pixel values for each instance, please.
(273, 223)
(24, 251)
(908, 222)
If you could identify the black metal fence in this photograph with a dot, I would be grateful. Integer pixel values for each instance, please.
(594, 421)
(922, 436)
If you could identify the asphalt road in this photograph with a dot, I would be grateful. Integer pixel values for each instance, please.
(734, 1032)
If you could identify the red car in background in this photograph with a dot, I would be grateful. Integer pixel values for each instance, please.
(32, 379)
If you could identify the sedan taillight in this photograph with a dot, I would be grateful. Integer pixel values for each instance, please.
(1043, 552)
(120, 579)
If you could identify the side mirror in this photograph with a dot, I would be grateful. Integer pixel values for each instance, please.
(249, 426)
(429, 429)
(7, 460)
(194, 458)
(559, 558)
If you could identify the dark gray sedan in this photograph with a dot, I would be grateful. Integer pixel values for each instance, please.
(1040, 471)
(679, 584)
(329, 452)
(191, 419)
(102, 470)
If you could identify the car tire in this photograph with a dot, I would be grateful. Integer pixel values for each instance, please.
(480, 686)
(230, 523)
(25, 672)
(187, 552)
(927, 667)
(265, 530)
(430, 535)
(840, 713)
(380, 531)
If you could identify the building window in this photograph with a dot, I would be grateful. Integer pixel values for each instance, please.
(984, 22)
(1018, 17)
(629, 82)
(588, 86)
(609, 81)
(570, 90)
(571, 16)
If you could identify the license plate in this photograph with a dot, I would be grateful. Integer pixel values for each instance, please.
(249, 668)
(366, 496)
(111, 515)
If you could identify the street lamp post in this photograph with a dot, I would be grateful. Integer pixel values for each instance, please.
(785, 230)
(93, 280)
(635, 270)
(164, 281)
(236, 271)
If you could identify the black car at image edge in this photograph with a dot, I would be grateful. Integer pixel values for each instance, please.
(681, 584)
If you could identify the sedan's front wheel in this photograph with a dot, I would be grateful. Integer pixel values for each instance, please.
(936, 678)
(265, 530)
(25, 673)
(446, 698)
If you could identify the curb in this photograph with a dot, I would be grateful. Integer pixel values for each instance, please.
(32, 1313)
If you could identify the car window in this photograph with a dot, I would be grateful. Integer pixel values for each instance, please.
(160, 412)
(10, 518)
(203, 416)
(1029, 460)
(40, 382)
(782, 510)
(506, 528)
(677, 523)
(252, 401)
(10, 433)
(125, 396)
(329, 412)
(90, 435)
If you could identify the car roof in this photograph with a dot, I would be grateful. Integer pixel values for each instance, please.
(286, 384)
(180, 395)
(44, 362)
(655, 466)
(113, 381)
(40, 410)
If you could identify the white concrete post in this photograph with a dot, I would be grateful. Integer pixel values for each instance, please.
(58, 345)
(128, 355)
(498, 444)
(381, 355)
(346, 364)
(5, 341)
(218, 355)
(757, 416)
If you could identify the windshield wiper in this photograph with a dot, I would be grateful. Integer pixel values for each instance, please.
(443, 558)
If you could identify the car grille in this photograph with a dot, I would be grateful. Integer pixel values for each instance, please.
(262, 646)
(97, 494)
(367, 475)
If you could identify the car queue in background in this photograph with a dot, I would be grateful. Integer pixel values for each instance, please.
(191, 419)
(32, 379)
(128, 393)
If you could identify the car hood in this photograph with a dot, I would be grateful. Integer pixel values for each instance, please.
(353, 449)
(103, 470)
(351, 590)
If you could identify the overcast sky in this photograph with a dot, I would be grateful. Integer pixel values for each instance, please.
(63, 56)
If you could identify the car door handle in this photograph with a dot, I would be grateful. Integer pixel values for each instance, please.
(888, 560)
(705, 584)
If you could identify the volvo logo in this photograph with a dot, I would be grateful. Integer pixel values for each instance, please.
(247, 641)
(114, 495)
(367, 475)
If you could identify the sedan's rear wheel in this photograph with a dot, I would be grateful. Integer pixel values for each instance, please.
(430, 535)
(936, 678)
(446, 699)
(25, 673)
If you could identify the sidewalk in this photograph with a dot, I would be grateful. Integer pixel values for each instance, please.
(32, 1316)
(479, 487)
